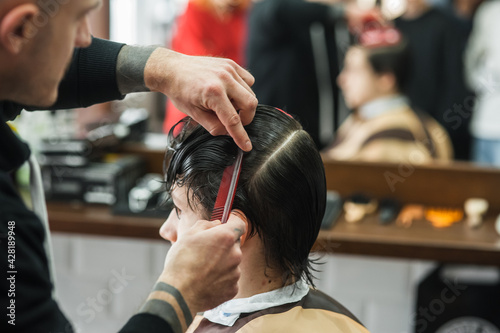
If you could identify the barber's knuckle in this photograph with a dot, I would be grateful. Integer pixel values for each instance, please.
(217, 130)
(237, 258)
(230, 64)
(234, 120)
(212, 90)
(226, 74)
(252, 102)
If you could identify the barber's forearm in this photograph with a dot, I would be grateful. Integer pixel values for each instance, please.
(166, 302)
(130, 67)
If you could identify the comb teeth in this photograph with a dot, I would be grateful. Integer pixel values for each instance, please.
(217, 214)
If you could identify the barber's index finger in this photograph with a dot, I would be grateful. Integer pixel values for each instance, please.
(231, 120)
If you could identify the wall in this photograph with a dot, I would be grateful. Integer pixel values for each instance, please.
(101, 282)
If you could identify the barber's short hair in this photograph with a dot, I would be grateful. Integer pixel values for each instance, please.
(281, 190)
(394, 59)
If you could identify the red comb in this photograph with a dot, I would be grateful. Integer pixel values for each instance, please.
(289, 115)
(227, 190)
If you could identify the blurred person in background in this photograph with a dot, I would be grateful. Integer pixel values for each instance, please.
(383, 127)
(482, 60)
(465, 9)
(436, 83)
(209, 27)
(294, 56)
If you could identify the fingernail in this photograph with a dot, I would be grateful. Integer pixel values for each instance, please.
(248, 146)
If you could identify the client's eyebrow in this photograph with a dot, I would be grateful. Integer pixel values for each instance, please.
(95, 6)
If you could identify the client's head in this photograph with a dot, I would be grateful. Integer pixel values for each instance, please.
(281, 189)
(375, 68)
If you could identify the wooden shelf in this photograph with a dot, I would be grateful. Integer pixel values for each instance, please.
(457, 243)
(422, 241)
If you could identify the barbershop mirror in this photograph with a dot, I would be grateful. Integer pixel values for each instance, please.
(154, 22)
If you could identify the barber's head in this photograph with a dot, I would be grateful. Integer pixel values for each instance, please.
(37, 39)
(281, 189)
(373, 72)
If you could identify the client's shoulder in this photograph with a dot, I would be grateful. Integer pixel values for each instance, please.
(316, 312)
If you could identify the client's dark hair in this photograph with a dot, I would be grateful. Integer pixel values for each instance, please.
(281, 190)
(393, 59)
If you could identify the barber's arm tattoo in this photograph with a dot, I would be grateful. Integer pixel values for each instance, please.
(167, 302)
(130, 66)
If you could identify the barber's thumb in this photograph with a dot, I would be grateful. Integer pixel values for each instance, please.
(239, 223)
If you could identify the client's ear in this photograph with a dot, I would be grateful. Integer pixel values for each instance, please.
(17, 28)
(243, 217)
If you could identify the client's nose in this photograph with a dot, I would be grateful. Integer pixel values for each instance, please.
(168, 230)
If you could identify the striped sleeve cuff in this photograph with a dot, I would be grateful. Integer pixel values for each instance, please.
(130, 67)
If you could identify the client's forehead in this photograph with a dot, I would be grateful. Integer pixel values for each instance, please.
(80, 6)
(183, 196)
(178, 194)
(87, 5)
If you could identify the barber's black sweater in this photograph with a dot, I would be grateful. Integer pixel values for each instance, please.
(91, 79)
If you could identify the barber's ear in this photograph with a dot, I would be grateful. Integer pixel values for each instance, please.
(17, 28)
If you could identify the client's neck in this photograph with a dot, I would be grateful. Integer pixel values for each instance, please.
(256, 278)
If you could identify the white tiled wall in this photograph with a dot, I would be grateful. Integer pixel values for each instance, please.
(102, 281)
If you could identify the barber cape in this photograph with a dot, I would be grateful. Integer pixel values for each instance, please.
(293, 308)
(388, 130)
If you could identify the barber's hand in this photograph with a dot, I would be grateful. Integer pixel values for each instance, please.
(203, 264)
(208, 89)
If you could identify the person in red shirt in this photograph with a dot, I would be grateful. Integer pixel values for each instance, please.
(213, 28)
